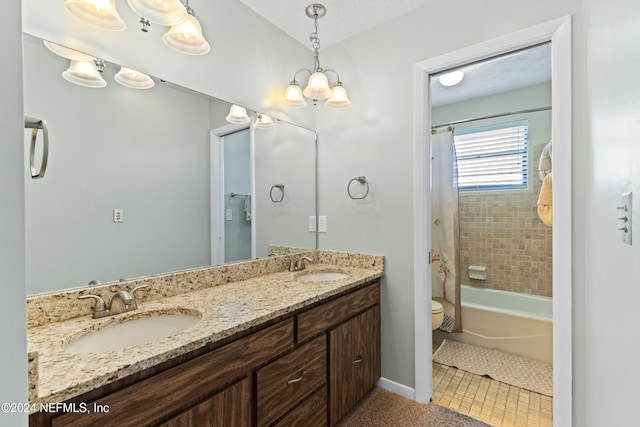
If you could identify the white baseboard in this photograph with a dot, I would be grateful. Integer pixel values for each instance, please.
(397, 388)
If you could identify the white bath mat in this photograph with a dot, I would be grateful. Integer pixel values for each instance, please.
(519, 371)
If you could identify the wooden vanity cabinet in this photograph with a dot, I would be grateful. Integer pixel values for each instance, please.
(308, 369)
(354, 361)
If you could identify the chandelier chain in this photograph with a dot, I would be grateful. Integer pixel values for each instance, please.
(315, 44)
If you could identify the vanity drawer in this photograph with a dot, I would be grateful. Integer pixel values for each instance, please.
(287, 381)
(158, 397)
(319, 319)
(310, 413)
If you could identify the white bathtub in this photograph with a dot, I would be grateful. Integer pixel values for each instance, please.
(512, 322)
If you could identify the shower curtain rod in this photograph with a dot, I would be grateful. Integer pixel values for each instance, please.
(493, 116)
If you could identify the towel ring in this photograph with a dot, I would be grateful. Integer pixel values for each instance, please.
(361, 180)
(36, 124)
(281, 188)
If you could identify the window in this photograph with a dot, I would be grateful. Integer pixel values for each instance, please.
(493, 158)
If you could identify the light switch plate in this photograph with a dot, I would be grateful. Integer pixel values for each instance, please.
(312, 223)
(625, 217)
(322, 224)
(118, 215)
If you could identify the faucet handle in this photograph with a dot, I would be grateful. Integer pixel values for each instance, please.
(138, 287)
(100, 309)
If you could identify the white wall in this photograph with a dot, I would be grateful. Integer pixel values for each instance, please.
(607, 159)
(13, 357)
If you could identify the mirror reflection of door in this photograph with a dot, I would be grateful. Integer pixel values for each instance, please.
(232, 207)
(237, 196)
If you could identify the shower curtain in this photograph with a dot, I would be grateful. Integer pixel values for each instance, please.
(445, 253)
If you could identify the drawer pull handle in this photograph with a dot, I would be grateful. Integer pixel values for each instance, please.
(297, 380)
(358, 360)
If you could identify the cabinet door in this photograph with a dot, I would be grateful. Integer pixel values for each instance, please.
(231, 407)
(354, 361)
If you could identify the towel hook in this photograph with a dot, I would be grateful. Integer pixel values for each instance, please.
(36, 124)
(361, 180)
(281, 188)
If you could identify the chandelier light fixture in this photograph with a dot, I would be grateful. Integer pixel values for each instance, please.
(318, 87)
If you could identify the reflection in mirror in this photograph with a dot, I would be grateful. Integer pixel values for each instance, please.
(144, 156)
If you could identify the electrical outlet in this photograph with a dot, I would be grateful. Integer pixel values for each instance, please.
(322, 224)
(312, 223)
(118, 215)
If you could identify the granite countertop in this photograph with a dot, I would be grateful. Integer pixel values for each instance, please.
(225, 310)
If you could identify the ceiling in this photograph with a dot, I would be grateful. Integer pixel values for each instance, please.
(344, 18)
(347, 18)
(517, 70)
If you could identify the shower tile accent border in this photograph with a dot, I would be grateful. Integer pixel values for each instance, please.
(63, 305)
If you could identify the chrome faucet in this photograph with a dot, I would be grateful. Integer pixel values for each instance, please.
(298, 264)
(121, 302)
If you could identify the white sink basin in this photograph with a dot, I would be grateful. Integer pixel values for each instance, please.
(322, 276)
(131, 333)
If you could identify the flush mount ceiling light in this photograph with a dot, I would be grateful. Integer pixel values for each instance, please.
(133, 79)
(101, 13)
(85, 73)
(186, 37)
(238, 115)
(263, 122)
(452, 78)
(318, 83)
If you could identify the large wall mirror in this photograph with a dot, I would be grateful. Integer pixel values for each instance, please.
(158, 157)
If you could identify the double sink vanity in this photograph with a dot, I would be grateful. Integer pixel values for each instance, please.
(245, 344)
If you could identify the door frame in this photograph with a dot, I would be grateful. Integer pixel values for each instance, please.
(557, 31)
(216, 189)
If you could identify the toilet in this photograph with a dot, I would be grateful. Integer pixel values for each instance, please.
(437, 314)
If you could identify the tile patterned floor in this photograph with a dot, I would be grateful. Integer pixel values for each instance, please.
(489, 400)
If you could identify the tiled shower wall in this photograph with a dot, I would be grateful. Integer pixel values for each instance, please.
(501, 230)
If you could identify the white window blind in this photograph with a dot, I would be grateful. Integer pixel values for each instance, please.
(492, 159)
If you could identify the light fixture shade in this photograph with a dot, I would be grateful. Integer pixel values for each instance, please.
(238, 115)
(100, 13)
(317, 86)
(163, 12)
(66, 52)
(187, 37)
(339, 99)
(263, 122)
(452, 78)
(133, 79)
(293, 97)
(84, 73)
